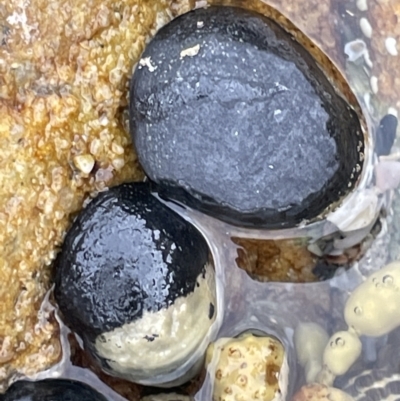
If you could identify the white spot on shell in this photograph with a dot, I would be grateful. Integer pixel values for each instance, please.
(366, 27)
(362, 5)
(190, 52)
(146, 62)
(374, 84)
(390, 44)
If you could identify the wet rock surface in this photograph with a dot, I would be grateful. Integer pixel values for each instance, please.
(51, 390)
(133, 278)
(270, 141)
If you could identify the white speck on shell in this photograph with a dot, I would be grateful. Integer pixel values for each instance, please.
(362, 5)
(366, 27)
(190, 51)
(146, 62)
(374, 84)
(390, 44)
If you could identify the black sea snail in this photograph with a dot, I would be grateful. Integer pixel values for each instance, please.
(51, 390)
(137, 283)
(271, 142)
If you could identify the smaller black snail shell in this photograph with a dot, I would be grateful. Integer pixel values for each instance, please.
(51, 390)
(386, 134)
(131, 277)
(233, 117)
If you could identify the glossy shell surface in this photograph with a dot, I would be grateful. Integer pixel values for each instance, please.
(272, 143)
(51, 390)
(137, 283)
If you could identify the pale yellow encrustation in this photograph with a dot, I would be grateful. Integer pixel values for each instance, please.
(373, 308)
(342, 350)
(247, 368)
(310, 340)
(180, 334)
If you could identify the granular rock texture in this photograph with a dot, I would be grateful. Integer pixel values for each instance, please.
(63, 70)
(284, 260)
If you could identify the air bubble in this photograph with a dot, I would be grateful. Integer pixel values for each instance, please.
(388, 279)
(358, 311)
(339, 341)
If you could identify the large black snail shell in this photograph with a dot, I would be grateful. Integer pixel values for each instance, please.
(233, 117)
(51, 390)
(126, 263)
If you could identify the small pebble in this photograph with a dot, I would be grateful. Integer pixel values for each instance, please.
(391, 44)
(84, 163)
(366, 27)
(362, 5)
